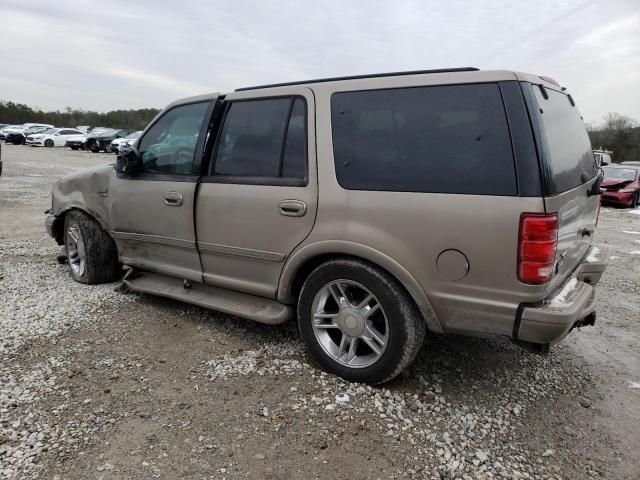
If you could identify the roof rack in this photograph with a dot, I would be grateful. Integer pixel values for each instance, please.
(358, 77)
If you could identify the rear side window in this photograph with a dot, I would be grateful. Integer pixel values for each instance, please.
(442, 139)
(568, 149)
(263, 138)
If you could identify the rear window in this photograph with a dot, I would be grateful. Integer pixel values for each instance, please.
(441, 139)
(569, 156)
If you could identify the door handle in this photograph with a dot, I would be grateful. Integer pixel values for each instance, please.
(292, 208)
(173, 199)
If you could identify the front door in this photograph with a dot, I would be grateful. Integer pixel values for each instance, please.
(259, 199)
(152, 212)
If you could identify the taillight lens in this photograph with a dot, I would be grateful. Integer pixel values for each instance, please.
(537, 243)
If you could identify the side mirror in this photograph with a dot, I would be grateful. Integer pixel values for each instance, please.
(129, 161)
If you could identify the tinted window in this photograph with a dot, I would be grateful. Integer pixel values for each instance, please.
(443, 139)
(569, 155)
(169, 145)
(263, 138)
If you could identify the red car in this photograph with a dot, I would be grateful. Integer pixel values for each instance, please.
(621, 185)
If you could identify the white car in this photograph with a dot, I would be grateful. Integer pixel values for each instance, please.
(12, 129)
(118, 143)
(24, 126)
(54, 137)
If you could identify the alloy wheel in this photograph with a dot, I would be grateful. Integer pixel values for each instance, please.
(350, 324)
(76, 251)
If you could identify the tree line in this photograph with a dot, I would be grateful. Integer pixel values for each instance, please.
(17, 113)
(619, 134)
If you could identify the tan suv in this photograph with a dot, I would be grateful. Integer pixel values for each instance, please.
(372, 207)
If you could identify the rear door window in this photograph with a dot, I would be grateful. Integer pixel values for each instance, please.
(567, 147)
(441, 139)
(263, 138)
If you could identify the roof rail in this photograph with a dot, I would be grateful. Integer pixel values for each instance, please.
(358, 77)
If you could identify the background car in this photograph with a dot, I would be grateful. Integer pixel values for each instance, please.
(602, 157)
(19, 137)
(52, 137)
(119, 143)
(79, 142)
(621, 185)
(76, 142)
(633, 164)
(102, 140)
(5, 129)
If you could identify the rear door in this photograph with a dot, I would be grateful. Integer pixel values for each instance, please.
(259, 200)
(569, 171)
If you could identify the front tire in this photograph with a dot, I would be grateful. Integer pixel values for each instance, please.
(358, 322)
(90, 251)
(48, 143)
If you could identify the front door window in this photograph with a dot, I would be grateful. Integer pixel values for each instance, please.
(168, 147)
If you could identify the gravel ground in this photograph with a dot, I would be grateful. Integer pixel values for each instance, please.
(98, 384)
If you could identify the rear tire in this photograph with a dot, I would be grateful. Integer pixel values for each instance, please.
(347, 302)
(90, 250)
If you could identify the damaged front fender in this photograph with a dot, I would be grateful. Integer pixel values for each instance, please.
(86, 190)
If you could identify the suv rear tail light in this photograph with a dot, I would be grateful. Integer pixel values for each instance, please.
(537, 243)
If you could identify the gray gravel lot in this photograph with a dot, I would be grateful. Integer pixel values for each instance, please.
(98, 384)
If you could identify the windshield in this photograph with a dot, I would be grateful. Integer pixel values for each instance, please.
(623, 174)
(133, 135)
(51, 130)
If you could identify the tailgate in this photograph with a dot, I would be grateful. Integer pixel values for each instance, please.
(569, 173)
(577, 212)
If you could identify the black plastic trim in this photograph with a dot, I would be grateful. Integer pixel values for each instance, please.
(518, 319)
(538, 134)
(202, 137)
(522, 141)
(359, 77)
(158, 177)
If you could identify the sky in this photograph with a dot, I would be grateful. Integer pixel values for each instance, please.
(112, 54)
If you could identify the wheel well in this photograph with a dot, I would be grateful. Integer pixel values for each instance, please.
(59, 224)
(310, 265)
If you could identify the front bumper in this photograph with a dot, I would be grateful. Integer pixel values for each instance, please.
(551, 321)
(50, 223)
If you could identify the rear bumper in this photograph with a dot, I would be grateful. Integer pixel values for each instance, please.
(617, 197)
(551, 321)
